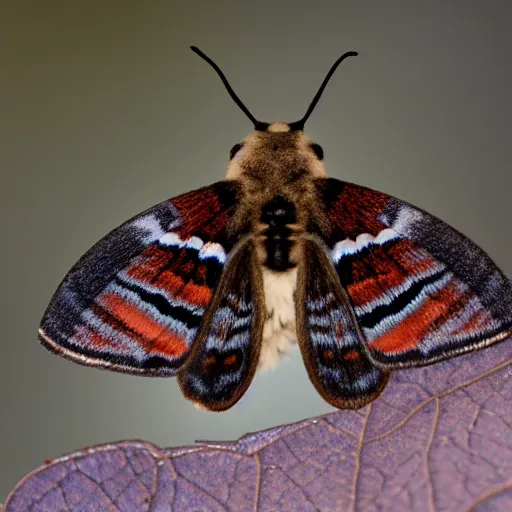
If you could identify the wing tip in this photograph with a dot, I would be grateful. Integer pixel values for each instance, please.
(358, 402)
(208, 402)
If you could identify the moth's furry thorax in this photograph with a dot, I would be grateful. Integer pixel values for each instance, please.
(275, 155)
(276, 172)
(270, 164)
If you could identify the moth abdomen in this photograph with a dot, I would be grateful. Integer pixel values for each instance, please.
(277, 215)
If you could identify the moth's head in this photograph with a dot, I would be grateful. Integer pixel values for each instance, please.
(275, 150)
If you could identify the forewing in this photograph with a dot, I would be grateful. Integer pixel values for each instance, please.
(224, 356)
(421, 290)
(330, 341)
(135, 300)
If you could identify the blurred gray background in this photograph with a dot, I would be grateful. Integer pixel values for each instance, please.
(104, 111)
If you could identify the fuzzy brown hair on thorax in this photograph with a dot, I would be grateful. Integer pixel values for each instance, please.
(276, 170)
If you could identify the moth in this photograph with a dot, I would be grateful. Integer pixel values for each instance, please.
(215, 283)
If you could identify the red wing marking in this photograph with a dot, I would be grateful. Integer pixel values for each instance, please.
(198, 295)
(408, 334)
(155, 337)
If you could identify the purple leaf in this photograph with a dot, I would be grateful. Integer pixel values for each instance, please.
(439, 438)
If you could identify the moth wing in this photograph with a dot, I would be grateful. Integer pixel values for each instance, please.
(134, 302)
(225, 354)
(421, 291)
(330, 341)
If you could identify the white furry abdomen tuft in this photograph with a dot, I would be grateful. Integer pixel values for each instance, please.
(279, 335)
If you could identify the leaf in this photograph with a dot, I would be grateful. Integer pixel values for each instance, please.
(439, 438)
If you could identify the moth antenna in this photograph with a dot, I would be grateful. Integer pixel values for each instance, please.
(258, 125)
(299, 125)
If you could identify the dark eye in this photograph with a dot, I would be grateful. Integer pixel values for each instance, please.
(234, 150)
(317, 149)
